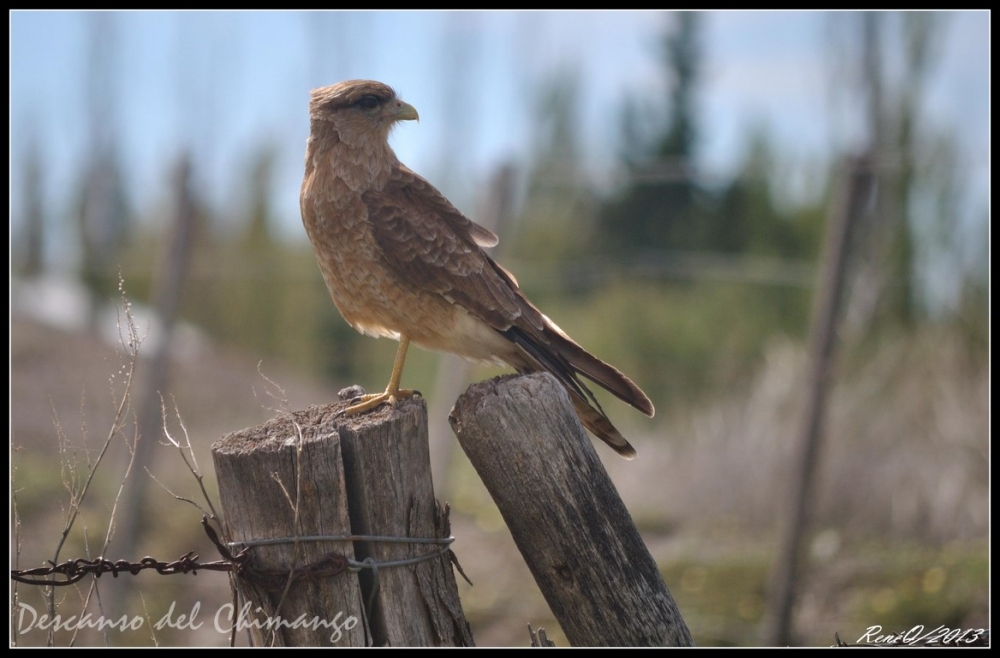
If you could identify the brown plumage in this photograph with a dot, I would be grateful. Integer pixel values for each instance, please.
(400, 261)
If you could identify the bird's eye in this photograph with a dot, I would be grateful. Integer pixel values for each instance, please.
(369, 102)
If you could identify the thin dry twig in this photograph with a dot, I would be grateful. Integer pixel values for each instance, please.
(117, 425)
(186, 451)
(109, 533)
(69, 471)
(149, 620)
(17, 550)
(281, 397)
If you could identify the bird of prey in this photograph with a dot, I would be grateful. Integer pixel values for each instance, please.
(399, 260)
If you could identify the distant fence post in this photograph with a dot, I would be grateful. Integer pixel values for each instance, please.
(337, 473)
(577, 537)
(854, 187)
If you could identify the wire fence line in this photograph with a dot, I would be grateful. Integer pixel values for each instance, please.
(660, 265)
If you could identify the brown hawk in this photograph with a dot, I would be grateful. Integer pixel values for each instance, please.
(400, 261)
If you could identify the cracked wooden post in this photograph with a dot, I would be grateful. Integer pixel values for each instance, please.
(365, 475)
(525, 441)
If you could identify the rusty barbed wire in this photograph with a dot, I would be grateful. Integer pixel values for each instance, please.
(240, 563)
(76, 570)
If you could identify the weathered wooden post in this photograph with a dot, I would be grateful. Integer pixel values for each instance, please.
(367, 478)
(539, 465)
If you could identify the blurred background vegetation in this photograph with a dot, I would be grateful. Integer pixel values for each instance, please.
(698, 287)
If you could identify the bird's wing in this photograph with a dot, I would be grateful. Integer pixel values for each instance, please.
(437, 248)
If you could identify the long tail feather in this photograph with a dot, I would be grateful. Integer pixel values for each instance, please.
(550, 358)
(601, 373)
(601, 427)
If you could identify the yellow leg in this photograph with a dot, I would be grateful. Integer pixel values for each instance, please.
(392, 392)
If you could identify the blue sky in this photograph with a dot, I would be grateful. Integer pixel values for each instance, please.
(224, 83)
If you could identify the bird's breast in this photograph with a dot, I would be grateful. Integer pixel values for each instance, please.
(371, 295)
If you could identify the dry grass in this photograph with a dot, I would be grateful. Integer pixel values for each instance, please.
(905, 450)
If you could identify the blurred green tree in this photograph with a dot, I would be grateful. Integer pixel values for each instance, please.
(103, 213)
(33, 212)
(658, 208)
(557, 215)
(888, 264)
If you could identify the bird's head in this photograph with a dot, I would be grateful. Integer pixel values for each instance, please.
(363, 112)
